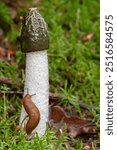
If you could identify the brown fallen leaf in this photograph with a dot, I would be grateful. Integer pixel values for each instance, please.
(7, 55)
(6, 81)
(54, 97)
(74, 131)
(3, 59)
(3, 51)
(88, 37)
(10, 54)
(87, 114)
(90, 129)
(87, 147)
(76, 120)
(76, 126)
(58, 113)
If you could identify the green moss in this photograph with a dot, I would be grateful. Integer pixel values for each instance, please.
(74, 68)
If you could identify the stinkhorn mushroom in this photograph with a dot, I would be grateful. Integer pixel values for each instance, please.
(35, 42)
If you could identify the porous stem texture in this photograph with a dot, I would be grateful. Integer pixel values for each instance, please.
(37, 82)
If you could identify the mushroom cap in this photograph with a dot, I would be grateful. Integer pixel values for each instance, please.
(34, 33)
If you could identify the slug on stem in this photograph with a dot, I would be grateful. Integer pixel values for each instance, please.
(33, 114)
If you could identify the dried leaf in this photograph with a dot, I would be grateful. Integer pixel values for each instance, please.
(54, 97)
(88, 37)
(3, 52)
(10, 54)
(76, 126)
(87, 114)
(6, 81)
(7, 55)
(89, 129)
(74, 120)
(3, 59)
(75, 131)
(57, 113)
(87, 147)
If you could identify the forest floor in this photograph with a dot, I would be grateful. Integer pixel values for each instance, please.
(74, 74)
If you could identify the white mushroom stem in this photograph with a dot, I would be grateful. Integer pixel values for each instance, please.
(37, 82)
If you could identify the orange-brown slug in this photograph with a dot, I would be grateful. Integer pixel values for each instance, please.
(33, 114)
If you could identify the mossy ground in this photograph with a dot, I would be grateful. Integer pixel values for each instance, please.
(74, 68)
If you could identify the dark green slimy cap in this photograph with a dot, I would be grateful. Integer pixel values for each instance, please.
(34, 34)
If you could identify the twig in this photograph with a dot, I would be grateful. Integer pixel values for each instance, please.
(11, 92)
(52, 97)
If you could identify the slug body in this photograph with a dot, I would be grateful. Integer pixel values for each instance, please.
(33, 114)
